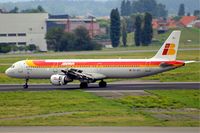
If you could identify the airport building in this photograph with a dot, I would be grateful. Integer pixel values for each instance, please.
(23, 29)
(70, 24)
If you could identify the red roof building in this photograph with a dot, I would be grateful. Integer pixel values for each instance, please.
(164, 24)
(187, 21)
(171, 23)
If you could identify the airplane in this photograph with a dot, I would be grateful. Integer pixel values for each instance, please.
(62, 72)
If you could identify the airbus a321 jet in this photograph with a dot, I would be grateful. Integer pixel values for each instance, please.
(61, 72)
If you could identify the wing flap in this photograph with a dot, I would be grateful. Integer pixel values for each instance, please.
(80, 75)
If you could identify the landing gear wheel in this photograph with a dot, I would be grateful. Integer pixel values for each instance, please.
(25, 86)
(102, 84)
(83, 85)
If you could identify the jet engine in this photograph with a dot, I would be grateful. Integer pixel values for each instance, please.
(59, 79)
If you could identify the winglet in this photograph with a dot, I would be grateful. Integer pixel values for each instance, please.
(169, 49)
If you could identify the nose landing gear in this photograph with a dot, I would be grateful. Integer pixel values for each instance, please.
(25, 86)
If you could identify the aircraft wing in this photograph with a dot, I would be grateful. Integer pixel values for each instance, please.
(80, 75)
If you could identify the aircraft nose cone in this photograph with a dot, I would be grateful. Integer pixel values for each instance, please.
(8, 72)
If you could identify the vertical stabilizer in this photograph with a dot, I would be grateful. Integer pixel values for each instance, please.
(169, 49)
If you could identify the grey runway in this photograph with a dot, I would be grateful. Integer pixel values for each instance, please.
(99, 129)
(111, 86)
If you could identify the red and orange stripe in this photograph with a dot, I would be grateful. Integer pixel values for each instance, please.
(53, 64)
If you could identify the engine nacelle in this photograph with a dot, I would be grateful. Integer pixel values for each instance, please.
(58, 79)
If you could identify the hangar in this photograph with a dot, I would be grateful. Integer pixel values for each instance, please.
(23, 29)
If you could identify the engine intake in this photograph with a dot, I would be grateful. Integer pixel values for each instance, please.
(58, 79)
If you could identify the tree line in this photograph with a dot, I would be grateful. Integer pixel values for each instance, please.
(78, 40)
(5, 48)
(142, 28)
(39, 9)
(151, 6)
(182, 12)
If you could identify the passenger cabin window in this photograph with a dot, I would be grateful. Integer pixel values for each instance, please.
(1, 35)
(21, 43)
(12, 43)
(12, 34)
(21, 34)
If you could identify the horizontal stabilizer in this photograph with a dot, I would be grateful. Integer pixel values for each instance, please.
(187, 62)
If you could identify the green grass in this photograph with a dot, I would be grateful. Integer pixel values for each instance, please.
(16, 104)
(164, 99)
(188, 98)
(151, 101)
(90, 110)
(186, 34)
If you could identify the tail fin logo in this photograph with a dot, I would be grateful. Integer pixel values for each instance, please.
(169, 49)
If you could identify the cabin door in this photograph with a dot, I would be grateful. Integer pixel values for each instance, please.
(148, 66)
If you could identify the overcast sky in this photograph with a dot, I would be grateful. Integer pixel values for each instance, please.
(29, 0)
(12, 0)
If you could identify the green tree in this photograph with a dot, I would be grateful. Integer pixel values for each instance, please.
(151, 6)
(15, 10)
(14, 48)
(40, 9)
(21, 48)
(83, 39)
(128, 8)
(138, 30)
(115, 27)
(196, 13)
(5, 48)
(53, 38)
(32, 47)
(58, 40)
(161, 11)
(147, 31)
(181, 11)
(124, 32)
(123, 8)
(68, 42)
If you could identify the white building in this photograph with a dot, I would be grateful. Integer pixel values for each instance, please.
(23, 29)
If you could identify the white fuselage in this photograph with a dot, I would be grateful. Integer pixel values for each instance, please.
(22, 70)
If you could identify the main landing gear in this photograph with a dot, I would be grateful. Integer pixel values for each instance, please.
(83, 85)
(102, 84)
(26, 84)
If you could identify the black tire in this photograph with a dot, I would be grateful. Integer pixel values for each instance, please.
(102, 84)
(83, 85)
(25, 86)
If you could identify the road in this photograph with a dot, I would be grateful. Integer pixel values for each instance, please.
(111, 86)
(99, 129)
